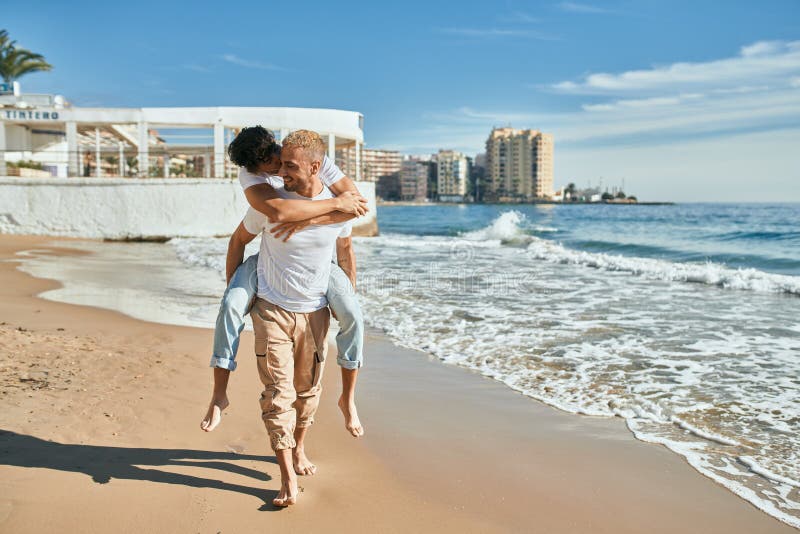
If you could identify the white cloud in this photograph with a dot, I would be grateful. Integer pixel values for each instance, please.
(250, 64)
(485, 32)
(196, 68)
(761, 48)
(495, 32)
(657, 101)
(519, 17)
(657, 120)
(574, 7)
(741, 90)
(765, 61)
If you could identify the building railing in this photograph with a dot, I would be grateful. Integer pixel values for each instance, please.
(111, 162)
(29, 100)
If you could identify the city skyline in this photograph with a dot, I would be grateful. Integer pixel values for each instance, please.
(681, 101)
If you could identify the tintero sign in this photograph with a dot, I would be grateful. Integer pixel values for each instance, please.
(30, 114)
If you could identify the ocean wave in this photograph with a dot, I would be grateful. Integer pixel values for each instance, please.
(759, 236)
(707, 273)
(206, 252)
(201, 252)
(506, 229)
(511, 229)
(705, 434)
(753, 466)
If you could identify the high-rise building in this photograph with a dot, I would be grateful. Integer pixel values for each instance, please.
(414, 179)
(519, 165)
(374, 163)
(452, 175)
(379, 163)
(477, 178)
(433, 179)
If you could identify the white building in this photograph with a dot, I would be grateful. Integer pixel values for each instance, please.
(519, 165)
(373, 162)
(43, 141)
(69, 141)
(452, 171)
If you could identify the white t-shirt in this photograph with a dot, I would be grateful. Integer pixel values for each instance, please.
(294, 274)
(329, 173)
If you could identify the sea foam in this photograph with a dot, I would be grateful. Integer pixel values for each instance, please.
(512, 228)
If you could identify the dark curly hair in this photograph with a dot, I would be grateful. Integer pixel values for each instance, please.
(253, 145)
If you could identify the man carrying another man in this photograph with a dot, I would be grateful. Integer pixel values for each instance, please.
(257, 154)
(290, 314)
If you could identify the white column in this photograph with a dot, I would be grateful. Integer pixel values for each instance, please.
(144, 140)
(121, 158)
(3, 170)
(166, 165)
(228, 138)
(73, 158)
(358, 161)
(219, 150)
(283, 133)
(97, 169)
(207, 165)
(332, 147)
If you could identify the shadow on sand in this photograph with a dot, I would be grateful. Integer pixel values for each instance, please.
(106, 463)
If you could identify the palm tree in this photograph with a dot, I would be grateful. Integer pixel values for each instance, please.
(16, 62)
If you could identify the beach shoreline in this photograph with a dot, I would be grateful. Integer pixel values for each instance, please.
(446, 449)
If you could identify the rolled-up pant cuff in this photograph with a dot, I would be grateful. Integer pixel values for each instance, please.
(223, 363)
(279, 442)
(348, 364)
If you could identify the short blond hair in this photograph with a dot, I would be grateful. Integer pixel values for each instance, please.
(310, 141)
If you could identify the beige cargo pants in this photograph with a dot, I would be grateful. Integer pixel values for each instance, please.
(290, 352)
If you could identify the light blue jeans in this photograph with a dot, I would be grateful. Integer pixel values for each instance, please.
(239, 297)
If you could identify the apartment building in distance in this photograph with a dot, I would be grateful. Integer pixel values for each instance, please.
(452, 176)
(414, 176)
(349, 160)
(374, 162)
(519, 165)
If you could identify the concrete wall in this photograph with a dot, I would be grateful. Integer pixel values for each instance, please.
(132, 208)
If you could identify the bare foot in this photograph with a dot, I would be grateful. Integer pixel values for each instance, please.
(287, 496)
(214, 414)
(302, 465)
(351, 420)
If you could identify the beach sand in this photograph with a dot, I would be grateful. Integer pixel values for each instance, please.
(100, 433)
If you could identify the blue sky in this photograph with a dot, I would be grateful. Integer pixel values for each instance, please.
(684, 100)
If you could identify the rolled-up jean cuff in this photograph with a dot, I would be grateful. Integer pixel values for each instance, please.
(223, 363)
(347, 364)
